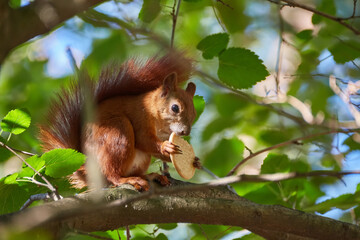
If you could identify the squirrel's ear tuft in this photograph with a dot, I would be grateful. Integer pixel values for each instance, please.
(169, 84)
(191, 88)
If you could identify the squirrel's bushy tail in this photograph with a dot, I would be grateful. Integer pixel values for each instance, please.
(64, 120)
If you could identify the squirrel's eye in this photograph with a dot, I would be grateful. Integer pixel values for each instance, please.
(175, 108)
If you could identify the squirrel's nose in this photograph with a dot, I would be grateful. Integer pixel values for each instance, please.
(180, 129)
(185, 132)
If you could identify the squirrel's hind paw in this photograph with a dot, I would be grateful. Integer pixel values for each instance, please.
(161, 179)
(138, 183)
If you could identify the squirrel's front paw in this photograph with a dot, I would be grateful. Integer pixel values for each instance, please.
(197, 163)
(168, 148)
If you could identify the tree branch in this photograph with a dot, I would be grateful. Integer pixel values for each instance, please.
(167, 205)
(329, 124)
(341, 21)
(37, 18)
(292, 141)
(175, 14)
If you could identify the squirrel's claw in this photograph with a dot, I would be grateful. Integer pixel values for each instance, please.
(168, 148)
(197, 163)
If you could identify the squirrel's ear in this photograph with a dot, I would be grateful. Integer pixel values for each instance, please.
(191, 88)
(169, 84)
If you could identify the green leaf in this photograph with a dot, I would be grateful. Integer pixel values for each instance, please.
(105, 51)
(275, 163)
(36, 162)
(227, 104)
(353, 145)
(243, 188)
(199, 104)
(328, 161)
(15, 3)
(12, 195)
(309, 62)
(241, 68)
(312, 193)
(250, 236)
(305, 34)
(224, 156)
(167, 226)
(16, 121)
(96, 235)
(218, 125)
(11, 179)
(213, 45)
(161, 236)
(4, 154)
(344, 51)
(38, 234)
(299, 166)
(343, 202)
(357, 213)
(62, 162)
(273, 136)
(150, 10)
(211, 231)
(327, 6)
(265, 195)
(231, 14)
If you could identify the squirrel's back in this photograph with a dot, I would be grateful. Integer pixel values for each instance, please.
(64, 120)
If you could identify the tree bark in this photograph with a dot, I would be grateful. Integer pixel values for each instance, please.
(41, 16)
(215, 205)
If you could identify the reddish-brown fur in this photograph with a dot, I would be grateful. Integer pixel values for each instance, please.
(133, 118)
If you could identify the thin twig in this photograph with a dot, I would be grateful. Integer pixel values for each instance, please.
(72, 60)
(225, 4)
(203, 232)
(95, 17)
(357, 66)
(32, 180)
(208, 171)
(118, 233)
(48, 184)
(279, 53)
(345, 97)
(175, 15)
(205, 169)
(128, 235)
(341, 21)
(327, 57)
(21, 151)
(248, 98)
(353, 13)
(33, 198)
(249, 150)
(317, 75)
(296, 140)
(217, 18)
(325, 125)
(354, 8)
(217, 236)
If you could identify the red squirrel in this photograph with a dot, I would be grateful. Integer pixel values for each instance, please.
(137, 106)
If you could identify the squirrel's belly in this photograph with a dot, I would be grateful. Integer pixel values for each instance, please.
(140, 164)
